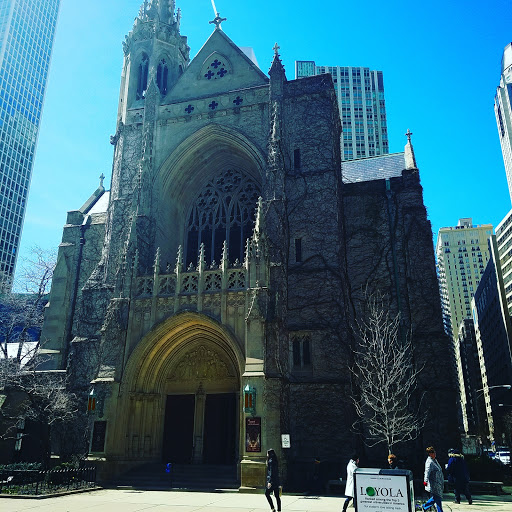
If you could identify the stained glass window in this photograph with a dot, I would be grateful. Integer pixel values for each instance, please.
(223, 211)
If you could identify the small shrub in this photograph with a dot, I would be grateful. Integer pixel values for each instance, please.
(22, 466)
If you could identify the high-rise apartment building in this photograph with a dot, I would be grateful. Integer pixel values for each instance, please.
(503, 111)
(27, 29)
(462, 254)
(360, 93)
(504, 241)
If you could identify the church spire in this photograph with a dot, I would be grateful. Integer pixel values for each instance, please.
(410, 159)
(158, 9)
(277, 68)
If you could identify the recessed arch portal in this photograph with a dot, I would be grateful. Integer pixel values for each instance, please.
(205, 156)
(153, 359)
(180, 373)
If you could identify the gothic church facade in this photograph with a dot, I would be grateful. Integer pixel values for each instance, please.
(208, 300)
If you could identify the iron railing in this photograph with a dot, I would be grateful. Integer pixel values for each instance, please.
(33, 482)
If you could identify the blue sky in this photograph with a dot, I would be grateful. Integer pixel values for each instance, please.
(441, 64)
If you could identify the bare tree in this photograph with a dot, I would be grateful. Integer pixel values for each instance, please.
(31, 394)
(21, 314)
(387, 379)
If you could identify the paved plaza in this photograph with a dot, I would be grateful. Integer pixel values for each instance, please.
(115, 500)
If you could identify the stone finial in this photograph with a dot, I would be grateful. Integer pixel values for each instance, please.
(247, 252)
(258, 220)
(102, 177)
(156, 266)
(225, 255)
(201, 263)
(410, 159)
(277, 68)
(179, 260)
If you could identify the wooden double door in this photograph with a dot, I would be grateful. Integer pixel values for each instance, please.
(200, 429)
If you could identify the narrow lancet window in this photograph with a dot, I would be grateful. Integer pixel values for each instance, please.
(298, 250)
(296, 160)
(142, 83)
(162, 73)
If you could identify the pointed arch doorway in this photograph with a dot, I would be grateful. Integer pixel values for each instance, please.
(201, 407)
(193, 366)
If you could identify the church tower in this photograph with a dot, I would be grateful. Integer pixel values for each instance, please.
(153, 51)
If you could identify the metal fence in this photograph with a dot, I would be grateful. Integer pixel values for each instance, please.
(35, 482)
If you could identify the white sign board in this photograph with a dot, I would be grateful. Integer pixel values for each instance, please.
(376, 492)
(285, 441)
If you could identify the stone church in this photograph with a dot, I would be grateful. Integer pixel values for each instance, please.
(206, 305)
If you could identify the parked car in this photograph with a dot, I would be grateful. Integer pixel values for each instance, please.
(503, 456)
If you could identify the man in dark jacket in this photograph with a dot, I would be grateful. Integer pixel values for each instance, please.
(458, 474)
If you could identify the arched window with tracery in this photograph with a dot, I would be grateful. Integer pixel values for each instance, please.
(224, 210)
(162, 73)
(142, 77)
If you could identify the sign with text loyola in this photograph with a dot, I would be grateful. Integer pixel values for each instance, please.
(383, 490)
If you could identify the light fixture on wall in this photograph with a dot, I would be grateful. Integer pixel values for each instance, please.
(250, 400)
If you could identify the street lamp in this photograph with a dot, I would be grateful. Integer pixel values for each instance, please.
(490, 419)
(506, 386)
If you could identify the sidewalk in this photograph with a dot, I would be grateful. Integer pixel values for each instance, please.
(114, 500)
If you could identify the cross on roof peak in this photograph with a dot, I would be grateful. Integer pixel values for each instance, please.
(217, 21)
(102, 177)
(408, 135)
(276, 49)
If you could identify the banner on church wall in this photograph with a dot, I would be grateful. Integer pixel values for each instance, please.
(253, 435)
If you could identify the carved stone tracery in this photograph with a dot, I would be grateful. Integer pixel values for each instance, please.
(202, 363)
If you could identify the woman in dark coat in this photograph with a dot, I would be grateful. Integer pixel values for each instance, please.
(272, 480)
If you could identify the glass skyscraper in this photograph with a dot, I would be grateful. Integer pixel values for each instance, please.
(27, 29)
(360, 93)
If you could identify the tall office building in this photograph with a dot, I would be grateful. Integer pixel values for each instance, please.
(503, 111)
(360, 93)
(470, 379)
(27, 29)
(493, 330)
(462, 254)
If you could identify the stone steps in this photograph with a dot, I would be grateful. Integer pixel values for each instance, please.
(183, 476)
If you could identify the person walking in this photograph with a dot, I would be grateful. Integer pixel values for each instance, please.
(433, 479)
(458, 474)
(273, 480)
(392, 461)
(349, 487)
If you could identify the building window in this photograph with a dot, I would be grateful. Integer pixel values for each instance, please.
(301, 350)
(298, 250)
(296, 159)
(142, 79)
(162, 74)
(223, 211)
(98, 436)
